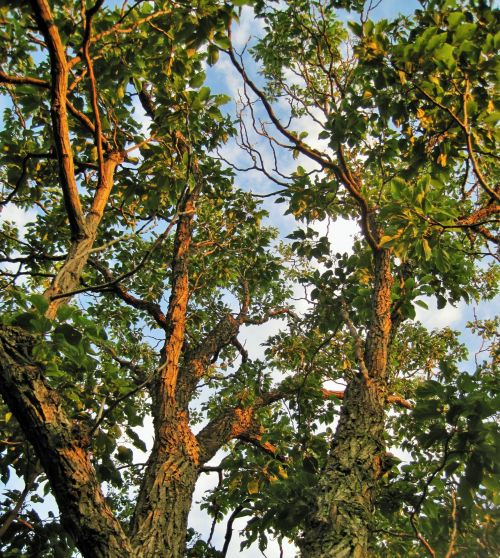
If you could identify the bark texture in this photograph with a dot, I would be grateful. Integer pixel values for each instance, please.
(339, 527)
(61, 447)
(160, 519)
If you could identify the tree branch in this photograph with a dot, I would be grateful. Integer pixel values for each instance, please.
(229, 529)
(59, 89)
(82, 117)
(93, 85)
(341, 171)
(153, 309)
(232, 423)
(11, 515)
(126, 275)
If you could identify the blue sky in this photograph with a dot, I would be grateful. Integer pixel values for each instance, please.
(223, 79)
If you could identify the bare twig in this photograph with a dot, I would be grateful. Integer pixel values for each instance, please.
(229, 529)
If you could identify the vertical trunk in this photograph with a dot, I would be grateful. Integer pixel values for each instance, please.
(160, 518)
(339, 528)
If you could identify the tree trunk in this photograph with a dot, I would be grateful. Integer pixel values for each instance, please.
(160, 521)
(160, 518)
(68, 277)
(61, 447)
(339, 526)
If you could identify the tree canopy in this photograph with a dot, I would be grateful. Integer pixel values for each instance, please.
(127, 297)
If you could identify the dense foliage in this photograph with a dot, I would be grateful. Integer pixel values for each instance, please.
(356, 431)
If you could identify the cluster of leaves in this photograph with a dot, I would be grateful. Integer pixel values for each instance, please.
(448, 481)
(409, 108)
(98, 355)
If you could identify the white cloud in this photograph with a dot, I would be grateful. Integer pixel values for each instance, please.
(248, 28)
(228, 81)
(340, 233)
(436, 319)
(18, 216)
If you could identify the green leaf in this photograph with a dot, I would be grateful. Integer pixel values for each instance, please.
(203, 94)
(197, 80)
(463, 32)
(72, 335)
(124, 454)
(212, 55)
(25, 320)
(64, 312)
(436, 41)
(444, 54)
(39, 302)
(427, 249)
(455, 18)
(398, 188)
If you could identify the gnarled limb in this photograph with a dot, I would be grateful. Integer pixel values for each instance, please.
(62, 448)
(232, 423)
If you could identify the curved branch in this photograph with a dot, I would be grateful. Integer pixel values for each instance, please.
(153, 309)
(229, 529)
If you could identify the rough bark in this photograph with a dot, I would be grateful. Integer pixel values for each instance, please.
(160, 521)
(339, 526)
(61, 447)
(237, 422)
(160, 518)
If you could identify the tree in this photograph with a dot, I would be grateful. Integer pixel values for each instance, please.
(405, 110)
(128, 233)
(150, 237)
